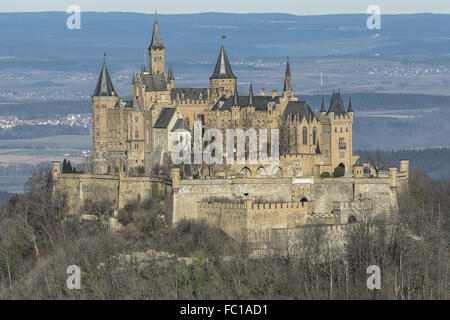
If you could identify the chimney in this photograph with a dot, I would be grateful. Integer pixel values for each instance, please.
(262, 92)
(274, 93)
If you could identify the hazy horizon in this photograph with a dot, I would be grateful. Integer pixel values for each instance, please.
(298, 7)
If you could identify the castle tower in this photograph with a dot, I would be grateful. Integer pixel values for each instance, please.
(156, 51)
(336, 144)
(223, 78)
(103, 99)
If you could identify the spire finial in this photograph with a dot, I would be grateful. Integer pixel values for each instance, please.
(222, 38)
(104, 57)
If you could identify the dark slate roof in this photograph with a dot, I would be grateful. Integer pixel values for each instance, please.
(223, 67)
(337, 104)
(180, 125)
(125, 104)
(104, 84)
(250, 95)
(154, 82)
(156, 37)
(164, 118)
(259, 102)
(301, 109)
(322, 108)
(358, 163)
(189, 93)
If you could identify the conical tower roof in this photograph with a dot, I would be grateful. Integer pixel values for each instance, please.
(223, 67)
(156, 37)
(104, 84)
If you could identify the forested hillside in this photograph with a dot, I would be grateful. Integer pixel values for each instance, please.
(149, 260)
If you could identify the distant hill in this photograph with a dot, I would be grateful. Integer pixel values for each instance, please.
(197, 36)
(433, 161)
(4, 197)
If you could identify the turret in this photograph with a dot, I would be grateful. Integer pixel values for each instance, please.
(103, 99)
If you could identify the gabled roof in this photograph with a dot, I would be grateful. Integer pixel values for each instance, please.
(154, 82)
(180, 125)
(156, 37)
(337, 104)
(104, 84)
(301, 109)
(223, 67)
(259, 102)
(164, 118)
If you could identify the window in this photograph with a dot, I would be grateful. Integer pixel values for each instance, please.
(342, 145)
(305, 135)
(341, 129)
(314, 135)
(335, 130)
(136, 133)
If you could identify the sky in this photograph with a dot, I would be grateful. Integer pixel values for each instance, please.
(297, 7)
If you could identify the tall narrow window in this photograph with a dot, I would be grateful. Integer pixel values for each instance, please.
(314, 135)
(305, 135)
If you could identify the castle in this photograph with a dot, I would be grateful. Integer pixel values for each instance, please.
(133, 137)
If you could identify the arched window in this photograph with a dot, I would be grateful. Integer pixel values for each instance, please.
(342, 144)
(305, 135)
(314, 135)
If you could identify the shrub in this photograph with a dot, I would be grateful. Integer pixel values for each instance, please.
(325, 174)
(339, 172)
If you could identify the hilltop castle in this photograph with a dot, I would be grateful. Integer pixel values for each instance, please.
(133, 137)
(134, 134)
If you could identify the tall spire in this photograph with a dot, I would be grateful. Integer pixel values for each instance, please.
(350, 108)
(156, 37)
(104, 84)
(223, 67)
(250, 95)
(287, 78)
(170, 75)
(322, 109)
(236, 97)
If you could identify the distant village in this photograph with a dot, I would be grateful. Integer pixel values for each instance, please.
(73, 120)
